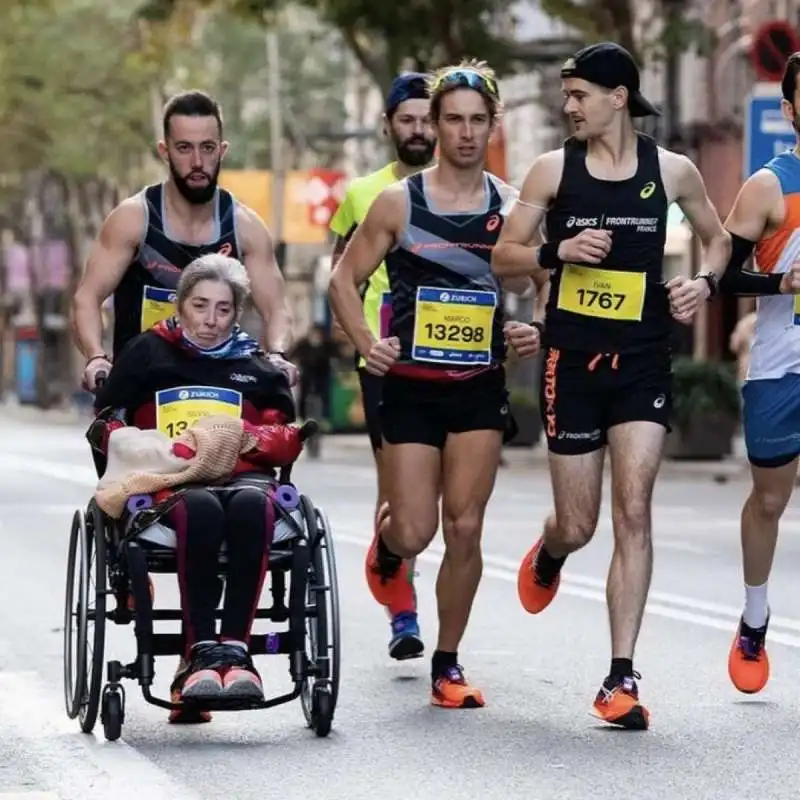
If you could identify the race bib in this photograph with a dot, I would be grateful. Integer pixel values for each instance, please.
(452, 326)
(602, 293)
(157, 304)
(178, 409)
(796, 309)
(385, 314)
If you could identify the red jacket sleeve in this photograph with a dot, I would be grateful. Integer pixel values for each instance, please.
(276, 445)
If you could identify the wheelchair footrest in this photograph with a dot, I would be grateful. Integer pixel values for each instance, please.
(261, 644)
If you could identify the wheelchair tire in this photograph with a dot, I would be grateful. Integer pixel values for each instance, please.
(321, 689)
(94, 672)
(113, 713)
(76, 609)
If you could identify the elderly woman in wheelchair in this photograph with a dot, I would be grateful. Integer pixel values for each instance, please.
(198, 368)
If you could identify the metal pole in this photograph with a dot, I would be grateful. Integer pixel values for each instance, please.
(276, 130)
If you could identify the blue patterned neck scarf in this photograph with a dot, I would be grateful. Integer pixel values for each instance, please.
(238, 345)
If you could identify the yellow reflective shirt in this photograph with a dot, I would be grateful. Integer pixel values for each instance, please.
(358, 198)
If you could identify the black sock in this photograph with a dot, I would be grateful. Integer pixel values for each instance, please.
(384, 552)
(621, 668)
(441, 662)
(547, 567)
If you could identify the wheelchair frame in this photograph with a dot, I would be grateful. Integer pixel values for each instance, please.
(119, 565)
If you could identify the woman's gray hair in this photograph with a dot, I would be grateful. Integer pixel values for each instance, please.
(219, 268)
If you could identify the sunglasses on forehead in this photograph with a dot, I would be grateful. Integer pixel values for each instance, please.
(467, 77)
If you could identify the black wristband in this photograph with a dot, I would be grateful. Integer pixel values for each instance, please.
(548, 256)
(97, 358)
(711, 279)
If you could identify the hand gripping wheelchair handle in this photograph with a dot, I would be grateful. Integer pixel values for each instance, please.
(100, 379)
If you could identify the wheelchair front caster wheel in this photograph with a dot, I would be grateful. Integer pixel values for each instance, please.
(112, 714)
(322, 710)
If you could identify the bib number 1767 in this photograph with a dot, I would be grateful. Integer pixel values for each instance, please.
(454, 333)
(604, 300)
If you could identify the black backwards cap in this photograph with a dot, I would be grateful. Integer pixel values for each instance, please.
(609, 65)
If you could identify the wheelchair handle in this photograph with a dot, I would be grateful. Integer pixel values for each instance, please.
(308, 429)
(100, 379)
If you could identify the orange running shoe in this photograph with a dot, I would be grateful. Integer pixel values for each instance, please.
(388, 576)
(534, 594)
(617, 703)
(451, 690)
(748, 662)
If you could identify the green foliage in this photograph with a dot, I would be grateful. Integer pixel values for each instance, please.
(703, 387)
(668, 30)
(230, 62)
(74, 87)
(386, 36)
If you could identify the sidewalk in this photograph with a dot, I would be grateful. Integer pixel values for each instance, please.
(350, 448)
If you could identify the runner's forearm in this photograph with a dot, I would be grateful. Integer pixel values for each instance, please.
(87, 326)
(347, 308)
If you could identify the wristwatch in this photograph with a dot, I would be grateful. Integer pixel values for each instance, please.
(711, 279)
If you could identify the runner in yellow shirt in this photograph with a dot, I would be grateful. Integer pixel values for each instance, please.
(407, 122)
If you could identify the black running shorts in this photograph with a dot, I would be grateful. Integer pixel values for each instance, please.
(583, 394)
(371, 387)
(416, 411)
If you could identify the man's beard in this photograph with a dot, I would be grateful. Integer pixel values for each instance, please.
(196, 195)
(418, 156)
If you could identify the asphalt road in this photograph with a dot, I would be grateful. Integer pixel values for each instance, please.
(535, 739)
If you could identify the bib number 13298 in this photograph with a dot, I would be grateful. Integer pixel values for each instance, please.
(453, 326)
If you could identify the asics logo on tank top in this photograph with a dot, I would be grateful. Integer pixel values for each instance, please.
(447, 305)
(619, 305)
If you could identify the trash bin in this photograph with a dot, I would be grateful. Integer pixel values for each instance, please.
(27, 351)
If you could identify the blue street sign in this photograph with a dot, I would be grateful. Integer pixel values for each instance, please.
(766, 132)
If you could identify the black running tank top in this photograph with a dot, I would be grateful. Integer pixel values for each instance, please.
(621, 304)
(146, 293)
(446, 304)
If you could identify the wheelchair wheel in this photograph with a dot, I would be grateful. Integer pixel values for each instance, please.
(321, 689)
(76, 608)
(94, 636)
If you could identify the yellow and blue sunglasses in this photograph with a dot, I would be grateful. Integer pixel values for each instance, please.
(466, 76)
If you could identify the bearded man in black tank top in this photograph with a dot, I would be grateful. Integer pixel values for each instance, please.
(149, 238)
(444, 408)
(607, 375)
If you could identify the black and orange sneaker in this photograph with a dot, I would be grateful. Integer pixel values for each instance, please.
(748, 662)
(535, 593)
(388, 575)
(617, 703)
(451, 690)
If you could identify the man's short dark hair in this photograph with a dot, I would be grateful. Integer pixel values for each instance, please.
(789, 80)
(193, 103)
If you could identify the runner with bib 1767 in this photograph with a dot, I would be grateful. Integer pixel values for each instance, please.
(607, 379)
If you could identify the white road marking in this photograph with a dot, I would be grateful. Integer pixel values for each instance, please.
(661, 604)
(71, 764)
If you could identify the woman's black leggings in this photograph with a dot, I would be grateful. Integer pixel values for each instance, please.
(244, 519)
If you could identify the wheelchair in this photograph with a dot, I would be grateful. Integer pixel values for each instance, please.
(108, 564)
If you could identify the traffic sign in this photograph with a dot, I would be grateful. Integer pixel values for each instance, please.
(772, 44)
(766, 132)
